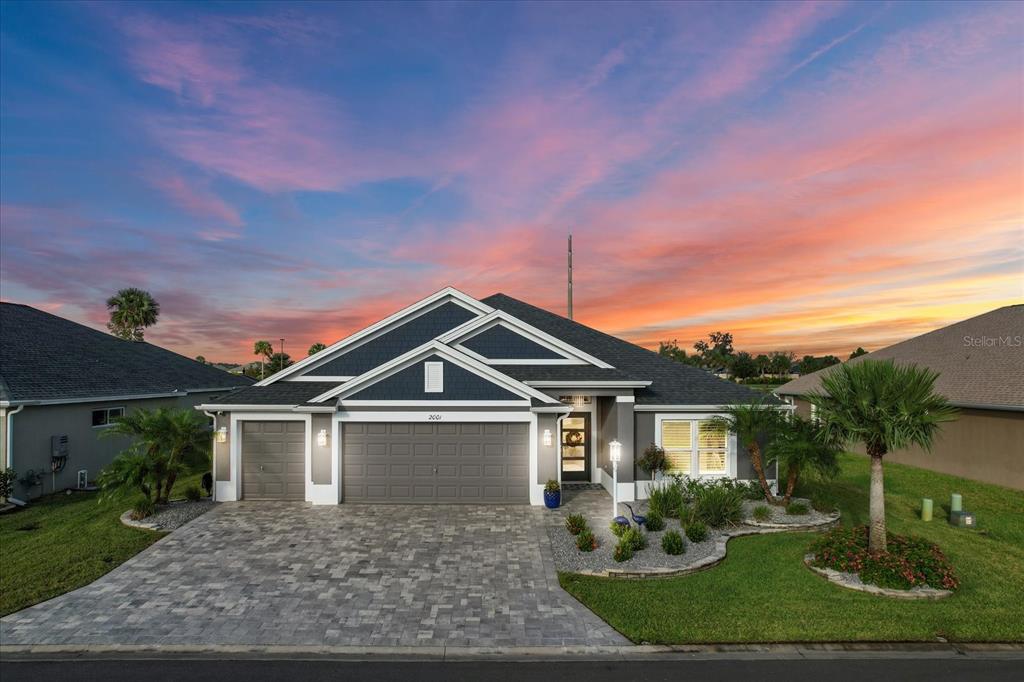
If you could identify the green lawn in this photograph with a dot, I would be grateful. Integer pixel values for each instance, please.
(762, 592)
(62, 542)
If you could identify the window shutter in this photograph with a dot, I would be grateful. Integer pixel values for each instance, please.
(433, 379)
(677, 440)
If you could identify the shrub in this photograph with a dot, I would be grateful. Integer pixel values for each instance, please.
(618, 528)
(585, 541)
(7, 479)
(687, 515)
(909, 562)
(697, 532)
(623, 551)
(193, 494)
(751, 490)
(665, 499)
(823, 502)
(142, 508)
(796, 509)
(552, 486)
(672, 543)
(636, 539)
(762, 512)
(208, 483)
(719, 505)
(654, 522)
(575, 523)
(653, 460)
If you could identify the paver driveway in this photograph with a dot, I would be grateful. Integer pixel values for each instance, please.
(292, 574)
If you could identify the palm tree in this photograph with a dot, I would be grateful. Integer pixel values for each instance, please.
(801, 446)
(186, 442)
(886, 407)
(750, 421)
(265, 350)
(131, 311)
(316, 348)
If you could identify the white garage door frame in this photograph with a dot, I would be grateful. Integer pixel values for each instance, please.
(439, 417)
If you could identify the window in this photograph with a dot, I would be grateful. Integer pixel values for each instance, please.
(711, 447)
(694, 447)
(677, 440)
(433, 377)
(106, 416)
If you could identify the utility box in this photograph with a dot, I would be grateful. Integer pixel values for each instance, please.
(962, 519)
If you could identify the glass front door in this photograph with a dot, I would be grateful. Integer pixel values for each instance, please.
(576, 447)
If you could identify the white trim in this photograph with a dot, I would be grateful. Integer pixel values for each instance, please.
(108, 423)
(553, 409)
(117, 398)
(231, 490)
(325, 379)
(695, 472)
(426, 404)
(588, 384)
(433, 377)
(692, 408)
(428, 416)
(246, 408)
(470, 329)
(625, 399)
(440, 297)
(433, 347)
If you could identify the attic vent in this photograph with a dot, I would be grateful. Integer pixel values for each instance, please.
(433, 378)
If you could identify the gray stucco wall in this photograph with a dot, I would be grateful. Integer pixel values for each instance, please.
(547, 456)
(321, 456)
(222, 451)
(34, 425)
(615, 422)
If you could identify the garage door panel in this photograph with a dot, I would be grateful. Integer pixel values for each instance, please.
(452, 462)
(273, 460)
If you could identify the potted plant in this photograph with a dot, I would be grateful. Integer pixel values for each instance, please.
(653, 461)
(552, 494)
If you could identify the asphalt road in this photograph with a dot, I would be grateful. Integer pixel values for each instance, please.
(297, 670)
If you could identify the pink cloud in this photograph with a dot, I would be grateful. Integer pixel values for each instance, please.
(201, 203)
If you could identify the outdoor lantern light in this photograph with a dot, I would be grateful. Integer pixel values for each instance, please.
(547, 438)
(222, 434)
(615, 448)
(321, 438)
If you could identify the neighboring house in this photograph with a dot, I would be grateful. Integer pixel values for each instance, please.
(455, 399)
(61, 384)
(980, 362)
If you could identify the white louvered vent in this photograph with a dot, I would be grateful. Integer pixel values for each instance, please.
(433, 378)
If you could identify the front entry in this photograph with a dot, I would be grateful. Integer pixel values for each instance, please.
(576, 447)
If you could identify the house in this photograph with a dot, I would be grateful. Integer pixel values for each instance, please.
(62, 384)
(980, 362)
(460, 400)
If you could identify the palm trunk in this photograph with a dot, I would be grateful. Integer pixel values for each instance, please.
(755, 459)
(170, 484)
(876, 533)
(791, 476)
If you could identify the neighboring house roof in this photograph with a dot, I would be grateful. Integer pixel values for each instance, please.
(290, 393)
(980, 361)
(44, 357)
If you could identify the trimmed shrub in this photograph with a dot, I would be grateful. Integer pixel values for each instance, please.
(618, 528)
(585, 541)
(719, 505)
(665, 499)
(751, 490)
(823, 502)
(635, 538)
(672, 543)
(654, 522)
(575, 524)
(909, 562)
(623, 551)
(193, 494)
(762, 512)
(141, 508)
(697, 532)
(797, 509)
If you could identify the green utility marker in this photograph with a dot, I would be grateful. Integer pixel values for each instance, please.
(926, 509)
(956, 503)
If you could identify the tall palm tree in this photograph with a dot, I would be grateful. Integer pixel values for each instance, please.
(316, 348)
(265, 350)
(186, 442)
(799, 447)
(131, 311)
(750, 422)
(886, 407)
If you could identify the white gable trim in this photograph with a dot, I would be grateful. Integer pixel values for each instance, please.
(415, 355)
(374, 330)
(499, 317)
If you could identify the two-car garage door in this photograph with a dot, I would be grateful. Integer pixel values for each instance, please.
(418, 462)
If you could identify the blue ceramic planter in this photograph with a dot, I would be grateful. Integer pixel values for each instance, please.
(552, 500)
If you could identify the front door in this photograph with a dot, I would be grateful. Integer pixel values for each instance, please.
(576, 447)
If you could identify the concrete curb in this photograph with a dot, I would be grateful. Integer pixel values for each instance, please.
(824, 650)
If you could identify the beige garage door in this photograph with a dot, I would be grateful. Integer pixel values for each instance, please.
(436, 463)
(274, 460)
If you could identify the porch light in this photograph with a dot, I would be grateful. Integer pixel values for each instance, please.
(321, 438)
(222, 434)
(615, 451)
(547, 438)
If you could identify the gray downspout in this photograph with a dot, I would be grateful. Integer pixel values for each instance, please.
(213, 455)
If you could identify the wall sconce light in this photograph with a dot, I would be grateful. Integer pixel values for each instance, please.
(222, 434)
(547, 438)
(321, 438)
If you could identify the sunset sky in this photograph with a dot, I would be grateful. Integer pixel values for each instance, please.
(810, 177)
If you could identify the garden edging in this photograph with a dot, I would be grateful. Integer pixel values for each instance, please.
(852, 582)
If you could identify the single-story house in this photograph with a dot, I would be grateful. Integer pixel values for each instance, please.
(459, 400)
(980, 363)
(62, 384)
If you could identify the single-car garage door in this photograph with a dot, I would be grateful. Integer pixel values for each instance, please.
(273, 460)
(436, 462)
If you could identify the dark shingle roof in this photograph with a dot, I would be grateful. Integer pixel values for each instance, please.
(980, 360)
(45, 357)
(279, 393)
(673, 383)
(564, 373)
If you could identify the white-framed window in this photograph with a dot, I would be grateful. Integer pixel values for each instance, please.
(106, 416)
(433, 377)
(696, 445)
